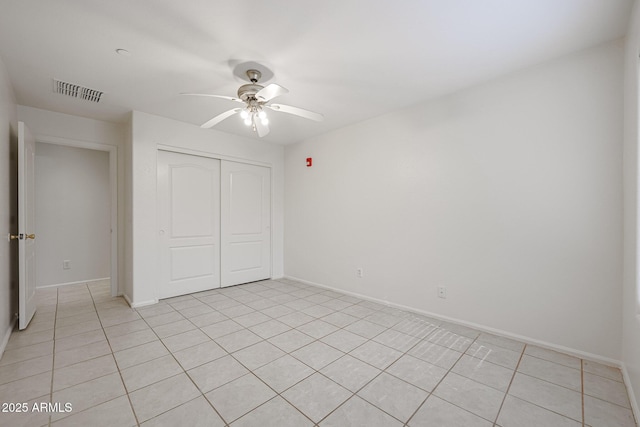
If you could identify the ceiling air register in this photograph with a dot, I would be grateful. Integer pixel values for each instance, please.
(76, 91)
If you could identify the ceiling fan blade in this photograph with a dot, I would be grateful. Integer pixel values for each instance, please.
(230, 98)
(261, 129)
(271, 91)
(297, 111)
(220, 117)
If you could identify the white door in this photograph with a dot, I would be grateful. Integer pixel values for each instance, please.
(189, 223)
(26, 226)
(246, 223)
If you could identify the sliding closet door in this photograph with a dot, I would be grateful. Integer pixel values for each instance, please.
(246, 223)
(189, 223)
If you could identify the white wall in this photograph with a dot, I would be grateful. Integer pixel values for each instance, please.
(149, 131)
(73, 214)
(631, 290)
(509, 194)
(8, 206)
(52, 126)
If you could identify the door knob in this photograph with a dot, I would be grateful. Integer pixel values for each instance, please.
(21, 236)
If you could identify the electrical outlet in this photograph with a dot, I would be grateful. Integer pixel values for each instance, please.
(66, 264)
(442, 292)
(359, 273)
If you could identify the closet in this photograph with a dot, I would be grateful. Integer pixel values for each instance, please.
(214, 223)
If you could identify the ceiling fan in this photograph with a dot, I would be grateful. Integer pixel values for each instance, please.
(256, 99)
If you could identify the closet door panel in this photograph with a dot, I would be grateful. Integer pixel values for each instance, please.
(189, 222)
(246, 223)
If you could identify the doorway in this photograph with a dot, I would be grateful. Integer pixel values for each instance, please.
(76, 213)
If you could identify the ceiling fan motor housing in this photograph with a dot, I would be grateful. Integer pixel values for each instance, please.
(248, 92)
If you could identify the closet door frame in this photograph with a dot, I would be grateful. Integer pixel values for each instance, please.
(221, 157)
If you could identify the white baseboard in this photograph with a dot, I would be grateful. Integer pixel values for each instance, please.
(138, 304)
(578, 353)
(7, 335)
(80, 282)
(127, 299)
(632, 397)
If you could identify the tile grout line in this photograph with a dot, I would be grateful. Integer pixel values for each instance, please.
(184, 371)
(251, 371)
(387, 328)
(312, 368)
(441, 380)
(53, 354)
(406, 352)
(582, 389)
(553, 384)
(54, 346)
(53, 358)
(135, 416)
(539, 379)
(289, 354)
(506, 393)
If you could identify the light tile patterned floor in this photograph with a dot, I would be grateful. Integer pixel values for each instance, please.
(281, 353)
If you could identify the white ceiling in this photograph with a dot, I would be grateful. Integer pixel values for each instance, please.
(348, 59)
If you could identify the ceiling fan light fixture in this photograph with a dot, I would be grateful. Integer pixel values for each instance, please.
(255, 99)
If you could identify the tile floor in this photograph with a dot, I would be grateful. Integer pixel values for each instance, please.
(281, 353)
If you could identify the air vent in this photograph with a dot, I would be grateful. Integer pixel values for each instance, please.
(76, 91)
